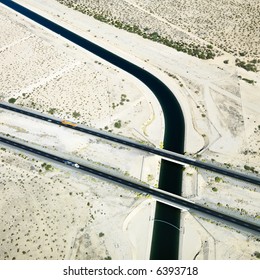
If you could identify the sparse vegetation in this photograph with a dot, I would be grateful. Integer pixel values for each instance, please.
(249, 66)
(52, 111)
(150, 177)
(48, 167)
(228, 165)
(252, 82)
(213, 25)
(201, 51)
(75, 114)
(118, 124)
(12, 100)
(250, 168)
(218, 179)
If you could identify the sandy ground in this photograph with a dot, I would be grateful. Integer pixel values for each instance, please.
(221, 111)
(217, 22)
(61, 214)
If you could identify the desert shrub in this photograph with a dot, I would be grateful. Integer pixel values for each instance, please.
(118, 124)
(252, 82)
(51, 111)
(247, 66)
(12, 100)
(75, 114)
(218, 179)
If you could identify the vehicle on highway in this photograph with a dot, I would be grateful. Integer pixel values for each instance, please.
(70, 163)
(64, 122)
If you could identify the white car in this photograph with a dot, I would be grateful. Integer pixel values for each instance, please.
(71, 163)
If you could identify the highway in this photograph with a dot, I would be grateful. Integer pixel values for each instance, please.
(156, 193)
(128, 142)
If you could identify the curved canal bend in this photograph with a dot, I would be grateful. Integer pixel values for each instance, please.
(165, 241)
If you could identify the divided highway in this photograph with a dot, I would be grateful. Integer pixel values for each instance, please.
(124, 141)
(161, 195)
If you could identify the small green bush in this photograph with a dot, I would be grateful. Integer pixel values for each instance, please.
(51, 111)
(12, 100)
(48, 167)
(118, 124)
(252, 82)
(218, 179)
(75, 114)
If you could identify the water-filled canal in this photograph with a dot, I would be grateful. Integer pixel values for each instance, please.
(166, 234)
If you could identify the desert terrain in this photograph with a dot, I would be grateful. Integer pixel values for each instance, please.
(221, 26)
(42, 71)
